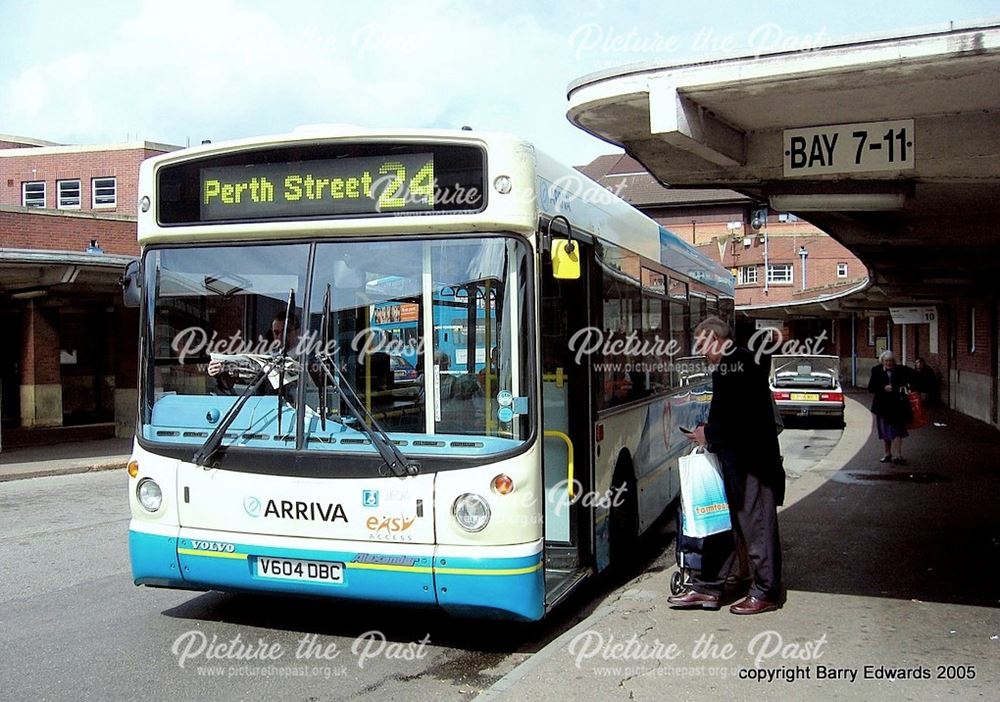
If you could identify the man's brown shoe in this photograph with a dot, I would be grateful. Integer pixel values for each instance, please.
(693, 598)
(753, 605)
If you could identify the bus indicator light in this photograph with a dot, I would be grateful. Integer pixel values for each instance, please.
(133, 468)
(503, 485)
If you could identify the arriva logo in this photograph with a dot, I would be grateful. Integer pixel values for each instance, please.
(287, 509)
(312, 511)
(252, 506)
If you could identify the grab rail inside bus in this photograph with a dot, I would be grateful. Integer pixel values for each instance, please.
(553, 434)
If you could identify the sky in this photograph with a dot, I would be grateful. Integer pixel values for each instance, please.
(178, 72)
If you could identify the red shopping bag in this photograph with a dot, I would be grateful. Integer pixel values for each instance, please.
(919, 417)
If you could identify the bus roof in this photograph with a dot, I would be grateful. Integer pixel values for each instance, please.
(556, 189)
(593, 208)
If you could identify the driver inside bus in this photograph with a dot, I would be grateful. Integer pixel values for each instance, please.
(225, 381)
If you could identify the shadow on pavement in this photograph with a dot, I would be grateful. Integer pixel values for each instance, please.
(929, 530)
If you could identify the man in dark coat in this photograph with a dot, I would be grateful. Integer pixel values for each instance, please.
(741, 431)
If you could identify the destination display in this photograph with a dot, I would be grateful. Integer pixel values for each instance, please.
(322, 180)
(365, 185)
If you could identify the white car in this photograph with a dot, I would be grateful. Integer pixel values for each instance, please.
(807, 386)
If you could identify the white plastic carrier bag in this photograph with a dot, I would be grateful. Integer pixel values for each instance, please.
(705, 510)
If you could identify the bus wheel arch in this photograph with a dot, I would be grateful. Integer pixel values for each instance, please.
(623, 515)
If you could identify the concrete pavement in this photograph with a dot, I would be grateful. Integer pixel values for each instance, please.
(892, 577)
(891, 571)
(63, 459)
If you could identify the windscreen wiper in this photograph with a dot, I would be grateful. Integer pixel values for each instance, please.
(397, 463)
(214, 441)
(208, 449)
(325, 326)
(283, 354)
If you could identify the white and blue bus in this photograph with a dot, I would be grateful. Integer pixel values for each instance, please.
(277, 451)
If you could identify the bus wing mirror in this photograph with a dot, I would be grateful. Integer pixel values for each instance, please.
(565, 259)
(131, 285)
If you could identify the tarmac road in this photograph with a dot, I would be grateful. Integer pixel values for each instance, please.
(74, 627)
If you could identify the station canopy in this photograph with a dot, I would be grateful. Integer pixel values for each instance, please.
(889, 144)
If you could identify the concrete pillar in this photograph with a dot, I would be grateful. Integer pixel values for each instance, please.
(41, 382)
(126, 333)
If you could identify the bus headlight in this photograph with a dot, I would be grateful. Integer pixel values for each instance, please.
(471, 511)
(149, 494)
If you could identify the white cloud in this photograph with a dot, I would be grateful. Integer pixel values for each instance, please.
(174, 71)
(205, 69)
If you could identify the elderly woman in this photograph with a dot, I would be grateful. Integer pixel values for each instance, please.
(890, 405)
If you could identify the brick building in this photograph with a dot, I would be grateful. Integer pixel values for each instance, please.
(67, 228)
(765, 256)
(719, 223)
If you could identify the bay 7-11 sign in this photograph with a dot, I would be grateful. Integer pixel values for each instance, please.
(863, 147)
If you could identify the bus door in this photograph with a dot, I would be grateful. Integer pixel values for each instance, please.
(566, 421)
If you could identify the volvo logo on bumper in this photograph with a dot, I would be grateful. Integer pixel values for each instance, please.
(216, 546)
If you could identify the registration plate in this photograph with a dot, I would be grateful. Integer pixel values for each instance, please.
(805, 397)
(309, 571)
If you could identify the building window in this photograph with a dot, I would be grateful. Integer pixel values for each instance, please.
(871, 331)
(33, 193)
(68, 192)
(841, 270)
(748, 275)
(105, 192)
(787, 217)
(779, 273)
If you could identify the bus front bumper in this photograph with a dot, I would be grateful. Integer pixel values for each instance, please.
(485, 581)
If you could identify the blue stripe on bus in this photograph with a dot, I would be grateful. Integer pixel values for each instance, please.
(412, 583)
(517, 590)
(154, 559)
(491, 587)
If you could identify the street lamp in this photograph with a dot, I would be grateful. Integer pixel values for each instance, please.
(803, 254)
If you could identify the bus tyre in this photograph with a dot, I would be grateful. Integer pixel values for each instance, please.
(623, 520)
